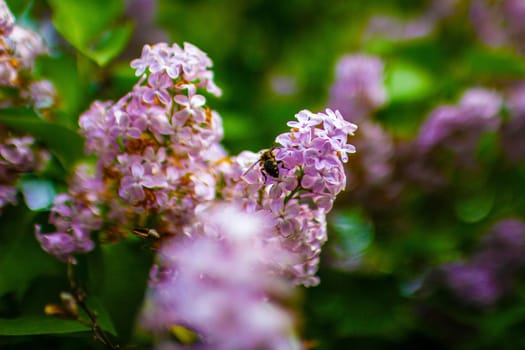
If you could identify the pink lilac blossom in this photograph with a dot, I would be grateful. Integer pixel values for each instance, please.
(219, 282)
(154, 148)
(310, 174)
(358, 88)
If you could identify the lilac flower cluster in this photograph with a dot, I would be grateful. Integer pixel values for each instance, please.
(309, 160)
(489, 274)
(459, 127)
(154, 147)
(227, 295)
(455, 130)
(18, 50)
(75, 214)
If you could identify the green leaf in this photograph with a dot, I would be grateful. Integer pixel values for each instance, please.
(62, 71)
(406, 82)
(352, 236)
(92, 27)
(39, 324)
(484, 62)
(21, 257)
(32, 320)
(109, 44)
(66, 144)
(356, 306)
(118, 275)
(475, 207)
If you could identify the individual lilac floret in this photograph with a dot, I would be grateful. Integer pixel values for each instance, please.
(218, 282)
(358, 89)
(295, 184)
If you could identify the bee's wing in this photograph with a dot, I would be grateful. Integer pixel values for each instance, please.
(250, 167)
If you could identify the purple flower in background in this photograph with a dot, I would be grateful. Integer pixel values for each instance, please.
(459, 127)
(502, 250)
(143, 13)
(490, 272)
(499, 23)
(358, 88)
(472, 284)
(453, 131)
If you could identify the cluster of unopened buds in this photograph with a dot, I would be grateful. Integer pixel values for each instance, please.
(162, 174)
(19, 154)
